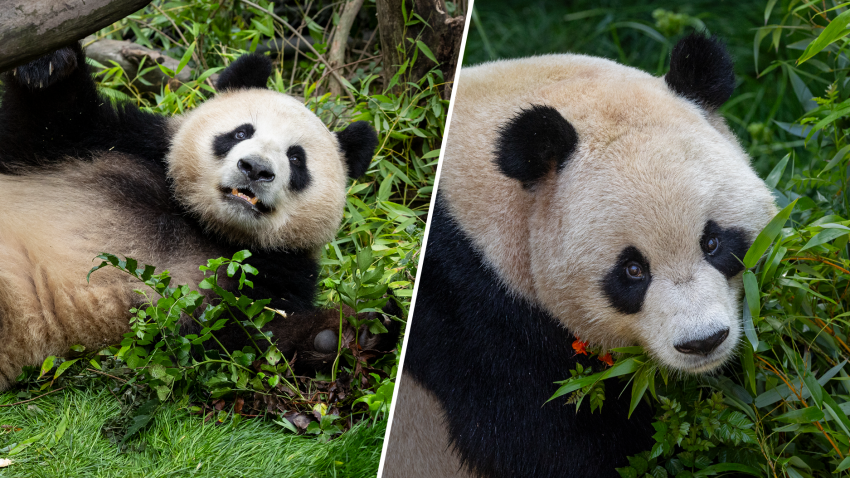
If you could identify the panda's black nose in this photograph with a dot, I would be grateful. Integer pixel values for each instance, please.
(256, 169)
(703, 346)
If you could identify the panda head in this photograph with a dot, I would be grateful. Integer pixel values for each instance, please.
(626, 195)
(259, 168)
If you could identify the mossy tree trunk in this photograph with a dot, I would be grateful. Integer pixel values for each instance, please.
(441, 32)
(31, 28)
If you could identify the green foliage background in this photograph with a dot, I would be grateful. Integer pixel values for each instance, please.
(781, 408)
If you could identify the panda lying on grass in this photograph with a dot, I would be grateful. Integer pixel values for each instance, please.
(249, 169)
(577, 198)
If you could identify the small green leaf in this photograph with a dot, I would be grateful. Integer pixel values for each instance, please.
(25, 444)
(824, 237)
(63, 366)
(186, 57)
(241, 255)
(47, 365)
(802, 415)
(426, 51)
(814, 387)
(749, 365)
(639, 386)
(845, 463)
(835, 159)
(285, 423)
(776, 174)
(767, 235)
(749, 327)
(833, 32)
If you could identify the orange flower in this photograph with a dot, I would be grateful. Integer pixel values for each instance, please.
(580, 347)
(607, 359)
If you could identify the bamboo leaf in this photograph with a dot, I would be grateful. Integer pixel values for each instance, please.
(767, 235)
(833, 32)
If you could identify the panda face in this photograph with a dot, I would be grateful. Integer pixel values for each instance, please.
(617, 201)
(261, 169)
(655, 226)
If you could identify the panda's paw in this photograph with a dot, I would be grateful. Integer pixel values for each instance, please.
(47, 70)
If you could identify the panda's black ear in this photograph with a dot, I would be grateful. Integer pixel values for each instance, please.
(358, 143)
(533, 143)
(701, 70)
(248, 71)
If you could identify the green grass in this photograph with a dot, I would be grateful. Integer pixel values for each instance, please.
(177, 444)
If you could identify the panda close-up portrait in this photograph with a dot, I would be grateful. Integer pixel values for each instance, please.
(578, 198)
(250, 168)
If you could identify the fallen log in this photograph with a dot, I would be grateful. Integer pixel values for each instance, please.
(31, 28)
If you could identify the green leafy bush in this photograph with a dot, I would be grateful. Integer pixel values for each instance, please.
(781, 410)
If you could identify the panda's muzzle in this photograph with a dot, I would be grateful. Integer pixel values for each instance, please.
(256, 170)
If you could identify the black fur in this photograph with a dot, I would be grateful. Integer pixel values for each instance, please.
(357, 143)
(533, 143)
(626, 293)
(492, 361)
(299, 175)
(224, 142)
(701, 70)
(729, 255)
(43, 129)
(248, 71)
(48, 69)
(40, 127)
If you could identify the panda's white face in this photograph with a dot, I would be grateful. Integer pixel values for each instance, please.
(261, 169)
(628, 231)
(655, 225)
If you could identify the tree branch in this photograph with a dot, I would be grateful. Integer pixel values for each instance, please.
(336, 54)
(31, 28)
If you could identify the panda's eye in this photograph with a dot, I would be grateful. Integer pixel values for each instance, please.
(295, 158)
(710, 245)
(240, 135)
(634, 270)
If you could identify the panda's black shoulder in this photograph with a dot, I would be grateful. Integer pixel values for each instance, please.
(51, 112)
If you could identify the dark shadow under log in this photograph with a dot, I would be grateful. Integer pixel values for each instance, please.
(31, 28)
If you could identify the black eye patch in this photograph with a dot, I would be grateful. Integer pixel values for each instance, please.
(299, 175)
(224, 142)
(724, 248)
(626, 283)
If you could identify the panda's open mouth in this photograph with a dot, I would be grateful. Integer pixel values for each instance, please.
(246, 198)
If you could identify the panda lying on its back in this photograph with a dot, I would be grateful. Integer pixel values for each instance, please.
(248, 169)
(577, 196)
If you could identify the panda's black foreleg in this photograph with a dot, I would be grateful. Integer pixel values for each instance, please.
(51, 113)
(45, 110)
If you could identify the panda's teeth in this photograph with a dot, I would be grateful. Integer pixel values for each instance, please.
(252, 200)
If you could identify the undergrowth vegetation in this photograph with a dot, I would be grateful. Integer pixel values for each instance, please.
(374, 255)
(780, 409)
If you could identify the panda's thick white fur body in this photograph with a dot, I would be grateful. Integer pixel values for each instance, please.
(60, 221)
(248, 169)
(577, 198)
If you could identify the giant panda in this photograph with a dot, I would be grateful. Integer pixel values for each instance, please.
(577, 198)
(248, 169)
